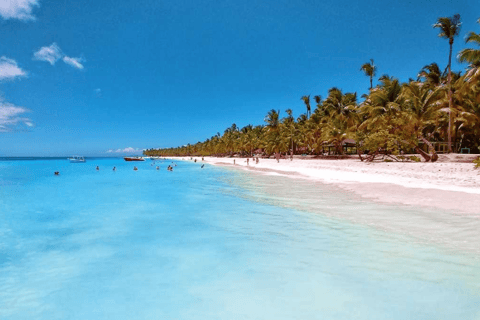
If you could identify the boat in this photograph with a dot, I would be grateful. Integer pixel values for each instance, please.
(133, 159)
(77, 159)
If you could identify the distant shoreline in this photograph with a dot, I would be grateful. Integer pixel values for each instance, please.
(451, 186)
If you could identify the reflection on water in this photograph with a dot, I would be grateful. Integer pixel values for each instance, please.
(219, 244)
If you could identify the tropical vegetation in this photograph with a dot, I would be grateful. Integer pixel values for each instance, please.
(437, 111)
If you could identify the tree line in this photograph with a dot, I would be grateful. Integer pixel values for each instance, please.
(436, 109)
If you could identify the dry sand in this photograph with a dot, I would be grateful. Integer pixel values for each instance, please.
(452, 186)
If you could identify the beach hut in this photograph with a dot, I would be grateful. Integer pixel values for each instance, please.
(349, 146)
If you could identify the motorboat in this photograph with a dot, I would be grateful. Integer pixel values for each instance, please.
(133, 159)
(77, 159)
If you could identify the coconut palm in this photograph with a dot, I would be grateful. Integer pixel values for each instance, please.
(306, 100)
(370, 70)
(449, 29)
(272, 120)
(338, 103)
(472, 56)
(431, 75)
(421, 107)
(381, 113)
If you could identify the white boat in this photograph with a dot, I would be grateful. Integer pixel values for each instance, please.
(77, 159)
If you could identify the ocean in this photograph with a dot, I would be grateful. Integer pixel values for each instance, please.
(221, 243)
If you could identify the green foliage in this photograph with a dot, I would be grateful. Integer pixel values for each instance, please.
(392, 117)
(477, 163)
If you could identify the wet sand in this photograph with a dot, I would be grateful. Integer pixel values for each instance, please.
(452, 186)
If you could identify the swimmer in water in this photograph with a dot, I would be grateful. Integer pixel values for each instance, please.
(114, 169)
(202, 166)
(57, 173)
(98, 168)
(135, 169)
(158, 168)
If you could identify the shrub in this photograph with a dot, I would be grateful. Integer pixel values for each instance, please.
(477, 163)
(415, 158)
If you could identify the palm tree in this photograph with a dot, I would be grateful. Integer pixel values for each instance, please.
(339, 103)
(449, 29)
(421, 106)
(272, 120)
(472, 56)
(370, 69)
(431, 74)
(306, 100)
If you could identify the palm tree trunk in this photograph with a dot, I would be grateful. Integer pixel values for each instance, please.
(422, 153)
(371, 82)
(450, 102)
(359, 154)
(434, 156)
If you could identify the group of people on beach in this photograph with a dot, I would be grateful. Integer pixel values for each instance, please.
(248, 160)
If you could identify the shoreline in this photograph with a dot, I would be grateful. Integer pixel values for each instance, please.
(451, 186)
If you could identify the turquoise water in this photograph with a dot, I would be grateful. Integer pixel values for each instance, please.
(218, 243)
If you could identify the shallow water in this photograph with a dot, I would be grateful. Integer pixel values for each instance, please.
(216, 243)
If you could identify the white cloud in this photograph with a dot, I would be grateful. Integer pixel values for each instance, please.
(50, 54)
(9, 69)
(53, 53)
(11, 117)
(126, 150)
(74, 62)
(17, 9)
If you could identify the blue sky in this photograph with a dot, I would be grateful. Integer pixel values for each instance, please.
(85, 77)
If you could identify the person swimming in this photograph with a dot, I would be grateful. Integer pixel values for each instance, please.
(135, 168)
(202, 166)
(57, 173)
(114, 169)
(98, 168)
(158, 168)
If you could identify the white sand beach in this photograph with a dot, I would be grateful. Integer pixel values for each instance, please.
(453, 186)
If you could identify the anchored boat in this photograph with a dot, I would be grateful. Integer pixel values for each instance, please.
(77, 159)
(133, 159)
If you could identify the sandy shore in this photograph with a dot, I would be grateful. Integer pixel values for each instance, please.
(451, 186)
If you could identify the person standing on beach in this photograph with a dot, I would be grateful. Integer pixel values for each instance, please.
(248, 161)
